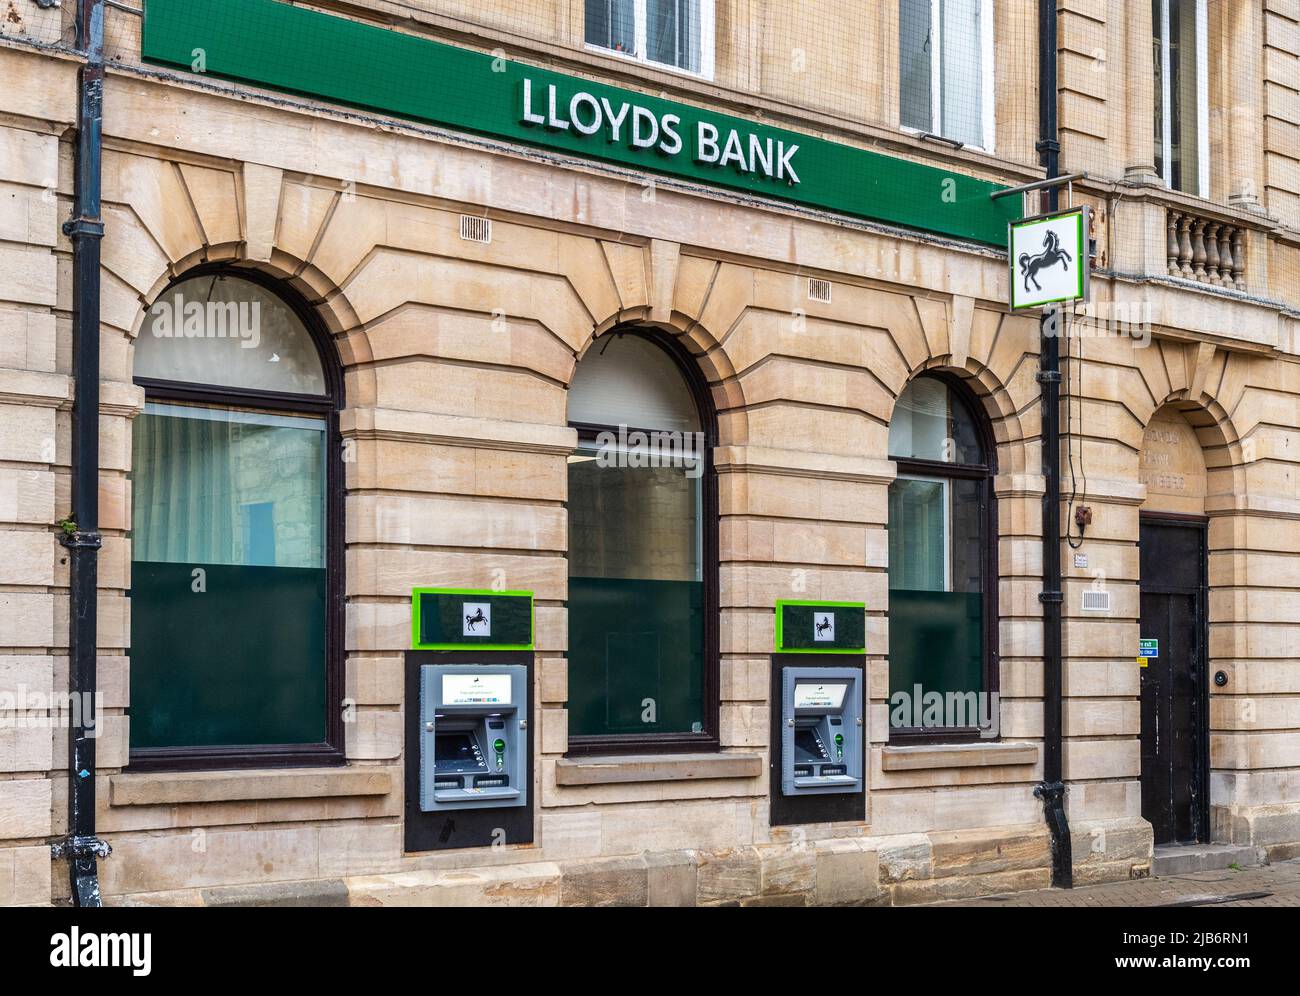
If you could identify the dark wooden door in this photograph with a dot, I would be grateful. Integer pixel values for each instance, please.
(1174, 696)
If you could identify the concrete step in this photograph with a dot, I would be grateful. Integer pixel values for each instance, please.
(1179, 859)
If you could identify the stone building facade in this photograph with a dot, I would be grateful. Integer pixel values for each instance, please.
(454, 359)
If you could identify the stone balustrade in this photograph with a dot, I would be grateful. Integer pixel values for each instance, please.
(1212, 252)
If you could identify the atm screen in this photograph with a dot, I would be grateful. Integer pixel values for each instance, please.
(806, 745)
(456, 751)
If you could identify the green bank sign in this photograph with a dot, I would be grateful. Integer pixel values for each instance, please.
(270, 44)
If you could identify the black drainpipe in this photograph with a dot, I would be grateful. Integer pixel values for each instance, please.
(1052, 788)
(81, 535)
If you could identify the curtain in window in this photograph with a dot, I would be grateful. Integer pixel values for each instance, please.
(961, 70)
(673, 33)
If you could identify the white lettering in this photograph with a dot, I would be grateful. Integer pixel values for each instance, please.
(530, 116)
(75, 950)
(641, 140)
(615, 120)
(760, 155)
(783, 166)
(553, 119)
(672, 143)
(582, 99)
(734, 152)
(706, 145)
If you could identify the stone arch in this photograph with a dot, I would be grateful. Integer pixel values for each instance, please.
(1189, 380)
(1005, 421)
(704, 350)
(164, 219)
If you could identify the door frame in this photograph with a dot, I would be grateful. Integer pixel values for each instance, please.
(1200, 788)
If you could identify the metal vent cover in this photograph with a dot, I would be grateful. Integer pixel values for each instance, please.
(1095, 600)
(819, 290)
(475, 229)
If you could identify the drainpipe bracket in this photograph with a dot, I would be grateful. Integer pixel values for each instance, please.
(1048, 376)
(80, 847)
(78, 540)
(1051, 597)
(84, 227)
(1050, 792)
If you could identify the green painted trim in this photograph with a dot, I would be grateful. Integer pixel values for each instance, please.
(781, 648)
(292, 49)
(416, 609)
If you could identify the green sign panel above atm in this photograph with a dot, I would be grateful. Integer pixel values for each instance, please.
(805, 627)
(281, 47)
(466, 619)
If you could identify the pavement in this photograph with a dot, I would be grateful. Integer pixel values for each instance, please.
(1269, 885)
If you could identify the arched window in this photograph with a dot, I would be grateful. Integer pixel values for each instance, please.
(642, 551)
(942, 564)
(236, 573)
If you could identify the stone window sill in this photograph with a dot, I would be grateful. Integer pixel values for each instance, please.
(175, 788)
(628, 768)
(973, 755)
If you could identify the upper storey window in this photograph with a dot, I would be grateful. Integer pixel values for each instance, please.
(945, 66)
(1179, 50)
(673, 33)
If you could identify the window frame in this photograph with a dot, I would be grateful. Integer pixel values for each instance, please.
(328, 406)
(640, 18)
(984, 473)
(708, 739)
(988, 117)
(1166, 99)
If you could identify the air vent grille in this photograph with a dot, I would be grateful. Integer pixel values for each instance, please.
(819, 290)
(1096, 600)
(474, 229)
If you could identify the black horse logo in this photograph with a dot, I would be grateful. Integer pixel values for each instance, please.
(471, 622)
(823, 625)
(1051, 255)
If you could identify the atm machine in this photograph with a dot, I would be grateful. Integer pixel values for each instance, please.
(469, 735)
(473, 736)
(818, 761)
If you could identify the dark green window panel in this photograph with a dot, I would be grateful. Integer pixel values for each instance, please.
(240, 663)
(935, 641)
(228, 587)
(635, 654)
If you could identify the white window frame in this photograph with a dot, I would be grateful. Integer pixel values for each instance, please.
(641, 18)
(1202, 99)
(989, 123)
(945, 484)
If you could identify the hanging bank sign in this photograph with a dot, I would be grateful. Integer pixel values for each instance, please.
(293, 49)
